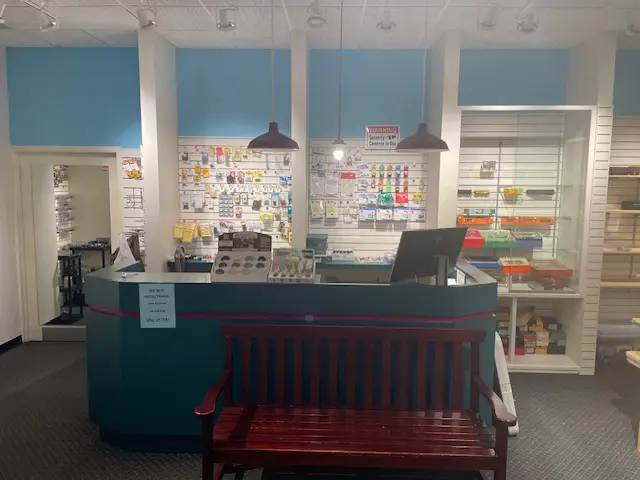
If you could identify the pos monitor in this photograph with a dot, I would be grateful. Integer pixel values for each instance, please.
(427, 253)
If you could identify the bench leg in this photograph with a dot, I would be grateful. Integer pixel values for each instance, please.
(502, 434)
(207, 452)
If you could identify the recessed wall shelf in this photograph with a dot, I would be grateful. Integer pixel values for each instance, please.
(612, 251)
(619, 284)
(620, 211)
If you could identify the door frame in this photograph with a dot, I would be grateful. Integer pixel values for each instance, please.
(24, 158)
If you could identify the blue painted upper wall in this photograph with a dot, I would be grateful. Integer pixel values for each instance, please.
(626, 96)
(227, 93)
(74, 96)
(380, 87)
(513, 77)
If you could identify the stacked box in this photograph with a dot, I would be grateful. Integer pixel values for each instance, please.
(529, 340)
(542, 339)
(557, 342)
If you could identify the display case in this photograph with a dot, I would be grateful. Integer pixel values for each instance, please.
(522, 193)
(521, 186)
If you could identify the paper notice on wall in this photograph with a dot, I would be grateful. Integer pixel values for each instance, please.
(157, 305)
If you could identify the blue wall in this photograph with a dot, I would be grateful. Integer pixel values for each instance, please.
(380, 87)
(626, 96)
(227, 93)
(74, 96)
(513, 77)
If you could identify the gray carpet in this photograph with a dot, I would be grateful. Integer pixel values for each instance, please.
(571, 427)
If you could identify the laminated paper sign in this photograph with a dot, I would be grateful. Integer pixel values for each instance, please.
(157, 305)
(382, 137)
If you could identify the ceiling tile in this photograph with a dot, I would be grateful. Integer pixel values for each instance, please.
(17, 38)
(117, 38)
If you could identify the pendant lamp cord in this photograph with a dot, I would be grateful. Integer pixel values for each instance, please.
(340, 77)
(424, 57)
(273, 62)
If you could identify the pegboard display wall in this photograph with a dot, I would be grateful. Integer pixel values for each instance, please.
(511, 168)
(133, 198)
(365, 201)
(63, 205)
(229, 188)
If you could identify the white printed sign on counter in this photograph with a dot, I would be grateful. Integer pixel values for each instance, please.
(381, 137)
(157, 305)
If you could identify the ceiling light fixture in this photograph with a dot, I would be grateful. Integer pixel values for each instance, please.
(338, 144)
(490, 20)
(147, 19)
(632, 30)
(386, 24)
(273, 140)
(224, 22)
(47, 21)
(316, 19)
(528, 24)
(422, 141)
(2, 19)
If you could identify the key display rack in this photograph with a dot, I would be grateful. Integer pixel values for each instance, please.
(226, 188)
(366, 200)
(522, 195)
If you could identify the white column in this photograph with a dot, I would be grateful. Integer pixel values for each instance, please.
(44, 226)
(159, 113)
(444, 121)
(300, 163)
(10, 323)
(591, 71)
(590, 80)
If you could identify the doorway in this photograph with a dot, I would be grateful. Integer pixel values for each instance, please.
(71, 215)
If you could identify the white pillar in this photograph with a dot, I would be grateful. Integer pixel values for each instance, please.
(159, 113)
(299, 159)
(44, 227)
(591, 71)
(444, 121)
(590, 80)
(10, 323)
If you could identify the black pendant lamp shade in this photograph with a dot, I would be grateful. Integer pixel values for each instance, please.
(422, 142)
(273, 141)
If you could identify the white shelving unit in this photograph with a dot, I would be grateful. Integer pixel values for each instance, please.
(620, 286)
(560, 148)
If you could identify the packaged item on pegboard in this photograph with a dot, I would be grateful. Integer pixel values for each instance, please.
(317, 209)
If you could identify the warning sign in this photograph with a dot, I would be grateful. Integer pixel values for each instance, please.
(382, 137)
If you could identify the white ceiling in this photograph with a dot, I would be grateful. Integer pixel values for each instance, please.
(191, 23)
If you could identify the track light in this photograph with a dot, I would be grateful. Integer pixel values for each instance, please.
(386, 24)
(528, 24)
(224, 21)
(490, 20)
(338, 149)
(2, 19)
(632, 30)
(316, 19)
(147, 19)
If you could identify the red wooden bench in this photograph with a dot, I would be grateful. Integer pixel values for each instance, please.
(352, 397)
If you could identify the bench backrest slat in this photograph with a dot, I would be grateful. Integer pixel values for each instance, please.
(356, 367)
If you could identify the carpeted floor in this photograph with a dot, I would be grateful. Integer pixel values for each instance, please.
(571, 427)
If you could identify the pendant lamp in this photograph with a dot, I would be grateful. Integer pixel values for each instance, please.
(273, 140)
(338, 144)
(422, 141)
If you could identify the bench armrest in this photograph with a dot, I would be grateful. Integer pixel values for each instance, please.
(500, 411)
(208, 405)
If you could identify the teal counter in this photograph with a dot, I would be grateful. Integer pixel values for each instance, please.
(146, 382)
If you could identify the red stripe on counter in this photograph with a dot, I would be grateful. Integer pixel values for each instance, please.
(298, 316)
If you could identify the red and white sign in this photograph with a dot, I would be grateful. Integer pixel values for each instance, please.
(382, 137)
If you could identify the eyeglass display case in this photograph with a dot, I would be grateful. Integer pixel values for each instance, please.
(522, 193)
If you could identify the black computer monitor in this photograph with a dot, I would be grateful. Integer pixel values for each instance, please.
(420, 252)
